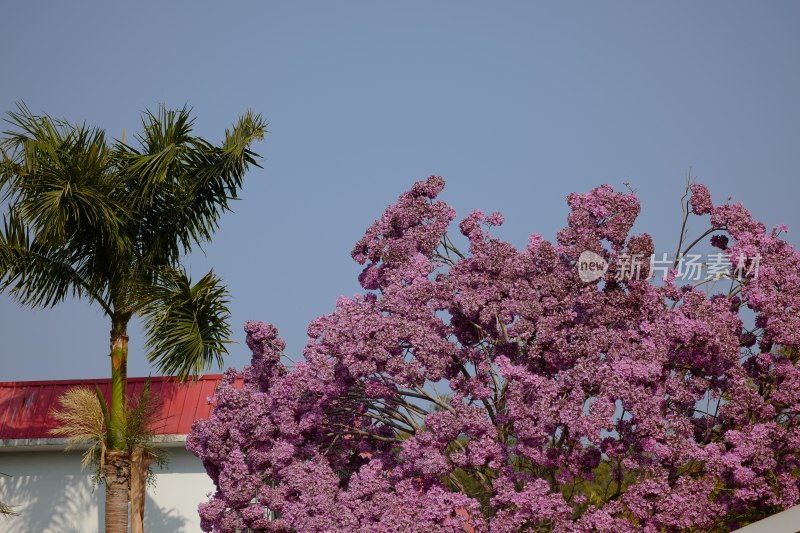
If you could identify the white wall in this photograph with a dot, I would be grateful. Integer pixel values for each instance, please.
(786, 522)
(52, 495)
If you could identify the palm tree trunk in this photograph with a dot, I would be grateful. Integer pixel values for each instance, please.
(117, 473)
(140, 462)
(117, 470)
(119, 381)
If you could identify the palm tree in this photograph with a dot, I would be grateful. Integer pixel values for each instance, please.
(109, 222)
(84, 420)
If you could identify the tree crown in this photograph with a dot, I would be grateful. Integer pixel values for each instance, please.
(110, 221)
(613, 404)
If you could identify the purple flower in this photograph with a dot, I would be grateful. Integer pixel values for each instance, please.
(719, 241)
(700, 199)
(492, 390)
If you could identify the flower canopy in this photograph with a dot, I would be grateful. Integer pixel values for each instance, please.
(494, 390)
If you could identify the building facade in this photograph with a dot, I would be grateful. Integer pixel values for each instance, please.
(45, 484)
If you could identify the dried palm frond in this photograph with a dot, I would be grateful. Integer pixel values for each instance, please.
(139, 420)
(82, 420)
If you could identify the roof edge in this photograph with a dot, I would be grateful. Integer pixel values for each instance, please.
(60, 444)
(204, 377)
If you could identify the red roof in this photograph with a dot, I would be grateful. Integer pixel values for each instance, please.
(25, 405)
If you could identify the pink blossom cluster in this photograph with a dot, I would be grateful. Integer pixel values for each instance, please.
(493, 390)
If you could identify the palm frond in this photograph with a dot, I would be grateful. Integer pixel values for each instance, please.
(215, 174)
(65, 230)
(150, 170)
(140, 421)
(107, 420)
(186, 325)
(184, 182)
(41, 276)
(60, 178)
(165, 127)
(82, 422)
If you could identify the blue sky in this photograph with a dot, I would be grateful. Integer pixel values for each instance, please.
(515, 104)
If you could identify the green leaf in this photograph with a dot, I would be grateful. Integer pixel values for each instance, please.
(103, 408)
(186, 325)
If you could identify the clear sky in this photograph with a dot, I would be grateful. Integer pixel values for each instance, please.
(515, 104)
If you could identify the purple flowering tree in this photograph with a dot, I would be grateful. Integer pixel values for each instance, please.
(491, 389)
